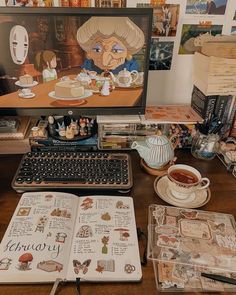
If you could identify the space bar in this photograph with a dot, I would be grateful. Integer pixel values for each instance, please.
(64, 179)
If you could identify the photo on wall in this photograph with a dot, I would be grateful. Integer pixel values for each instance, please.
(233, 30)
(234, 15)
(216, 7)
(193, 35)
(110, 3)
(161, 54)
(30, 3)
(165, 20)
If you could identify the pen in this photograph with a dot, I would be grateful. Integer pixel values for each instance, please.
(219, 278)
(77, 282)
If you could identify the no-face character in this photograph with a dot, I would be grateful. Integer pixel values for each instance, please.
(19, 44)
(14, 49)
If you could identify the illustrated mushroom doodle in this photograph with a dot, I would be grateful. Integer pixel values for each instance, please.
(25, 260)
(123, 233)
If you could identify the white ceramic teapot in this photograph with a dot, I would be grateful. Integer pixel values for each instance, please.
(156, 150)
(125, 78)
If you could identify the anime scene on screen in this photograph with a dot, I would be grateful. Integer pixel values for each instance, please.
(59, 61)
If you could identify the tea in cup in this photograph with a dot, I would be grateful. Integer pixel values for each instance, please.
(184, 180)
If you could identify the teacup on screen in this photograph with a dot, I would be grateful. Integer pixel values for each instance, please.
(184, 180)
(26, 91)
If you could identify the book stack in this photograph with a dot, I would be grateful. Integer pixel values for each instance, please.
(214, 79)
(214, 75)
(214, 108)
(214, 71)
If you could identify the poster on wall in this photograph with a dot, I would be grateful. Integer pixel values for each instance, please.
(161, 54)
(216, 7)
(233, 30)
(193, 34)
(110, 3)
(165, 20)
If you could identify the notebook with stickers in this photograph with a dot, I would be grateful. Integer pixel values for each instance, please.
(59, 235)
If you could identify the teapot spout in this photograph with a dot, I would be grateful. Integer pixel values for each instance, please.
(141, 147)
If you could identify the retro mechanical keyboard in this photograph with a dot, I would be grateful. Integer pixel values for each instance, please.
(73, 170)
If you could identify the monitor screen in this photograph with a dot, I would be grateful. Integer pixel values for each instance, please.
(64, 61)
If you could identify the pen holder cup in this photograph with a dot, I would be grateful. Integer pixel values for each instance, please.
(205, 146)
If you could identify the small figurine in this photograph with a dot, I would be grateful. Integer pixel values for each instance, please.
(88, 126)
(61, 129)
(74, 126)
(69, 132)
(82, 124)
(52, 125)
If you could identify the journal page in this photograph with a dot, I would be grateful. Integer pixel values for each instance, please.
(105, 245)
(35, 247)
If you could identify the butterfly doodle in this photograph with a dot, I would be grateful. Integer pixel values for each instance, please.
(83, 267)
(189, 214)
(217, 227)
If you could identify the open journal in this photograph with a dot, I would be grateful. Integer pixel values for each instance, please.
(59, 235)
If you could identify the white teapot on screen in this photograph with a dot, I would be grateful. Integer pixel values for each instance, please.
(125, 78)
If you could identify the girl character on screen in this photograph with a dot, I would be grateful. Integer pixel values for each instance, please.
(46, 62)
(110, 43)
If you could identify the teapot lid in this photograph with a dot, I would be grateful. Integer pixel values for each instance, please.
(157, 140)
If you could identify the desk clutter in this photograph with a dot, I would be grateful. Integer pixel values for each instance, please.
(65, 134)
(188, 246)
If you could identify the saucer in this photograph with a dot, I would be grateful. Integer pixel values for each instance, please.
(195, 200)
(31, 95)
(26, 85)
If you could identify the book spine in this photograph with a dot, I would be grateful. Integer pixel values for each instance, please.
(230, 119)
(224, 108)
(233, 129)
(202, 104)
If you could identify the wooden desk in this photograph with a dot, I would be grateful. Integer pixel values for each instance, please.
(223, 188)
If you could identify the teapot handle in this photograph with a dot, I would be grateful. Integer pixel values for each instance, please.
(174, 140)
(135, 77)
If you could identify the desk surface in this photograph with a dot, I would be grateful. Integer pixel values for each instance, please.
(223, 188)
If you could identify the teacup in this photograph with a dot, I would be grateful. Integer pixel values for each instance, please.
(25, 92)
(84, 79)
(65, 78)
(92, 74)
(184, 180)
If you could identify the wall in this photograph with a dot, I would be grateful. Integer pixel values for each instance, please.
(175, 85)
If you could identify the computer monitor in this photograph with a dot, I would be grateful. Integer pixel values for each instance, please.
(69, 61)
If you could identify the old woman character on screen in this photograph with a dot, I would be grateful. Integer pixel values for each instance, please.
(110, 43)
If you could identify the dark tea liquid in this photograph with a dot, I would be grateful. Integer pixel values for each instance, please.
(184, 176)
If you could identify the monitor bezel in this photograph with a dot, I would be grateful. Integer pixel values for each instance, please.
(147, 12)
